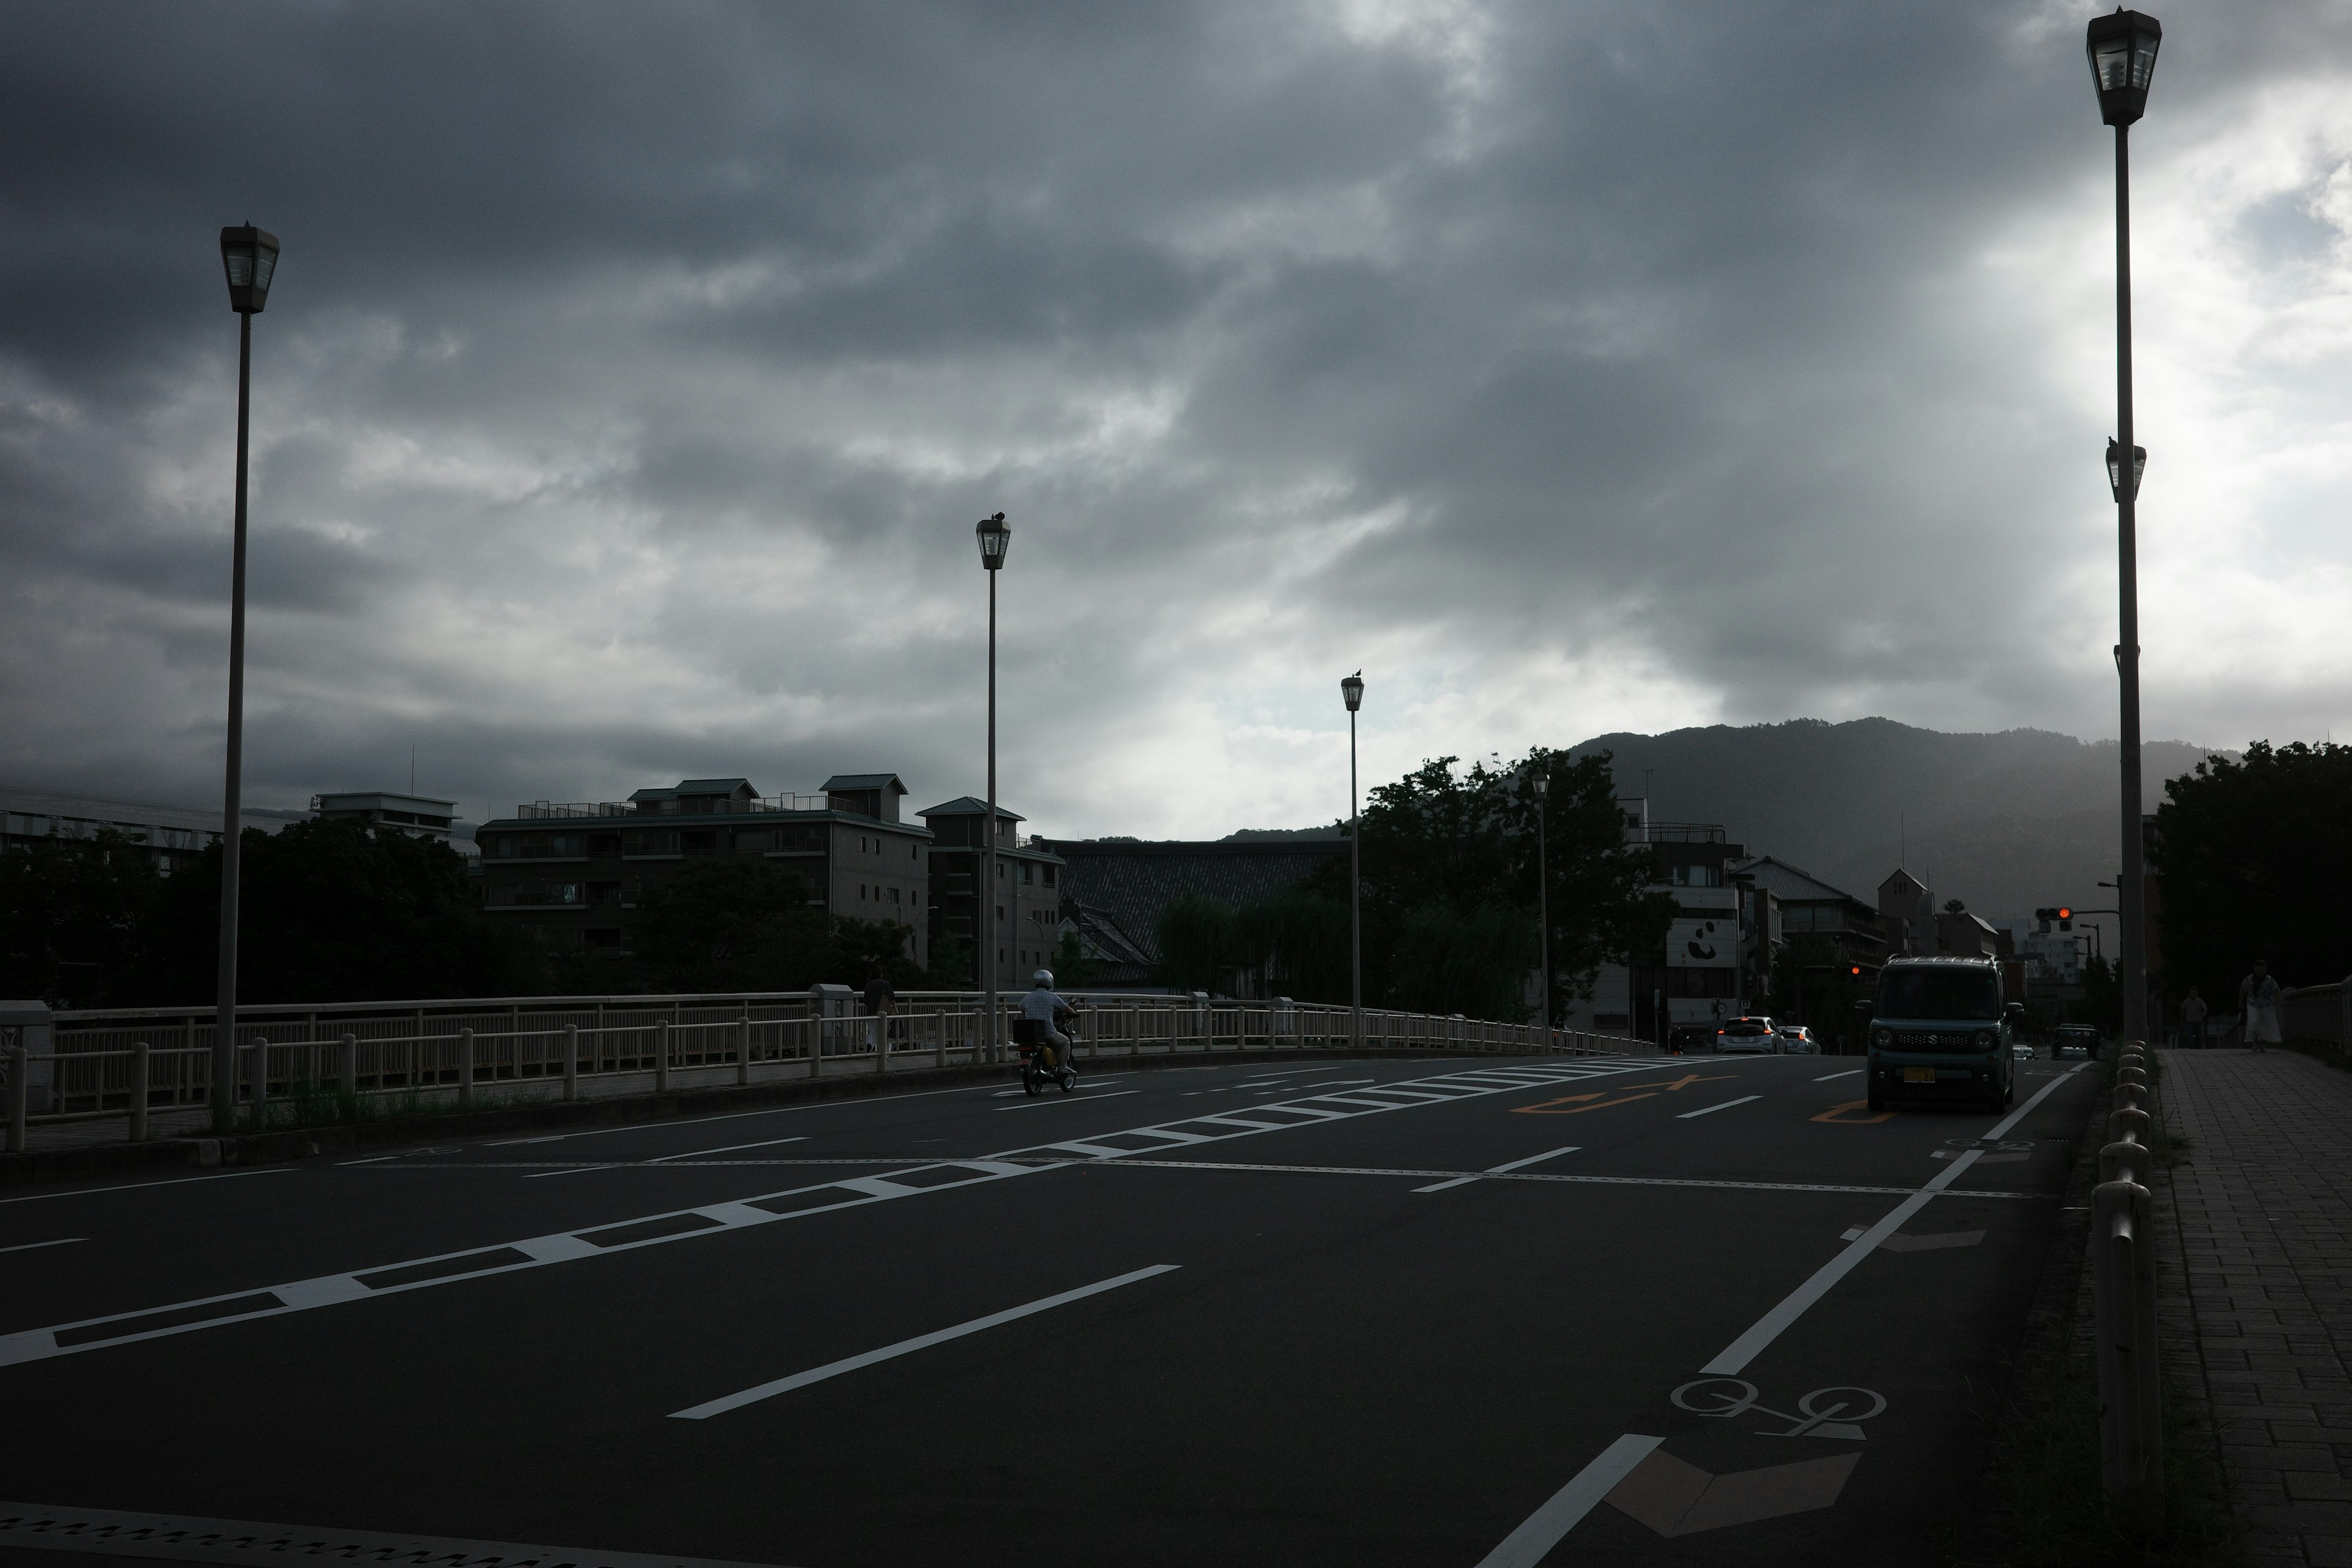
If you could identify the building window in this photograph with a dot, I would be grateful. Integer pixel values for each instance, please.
(565, 844)
(1049, 875)
(1698, 876)
(1028, 872)
(861, 890)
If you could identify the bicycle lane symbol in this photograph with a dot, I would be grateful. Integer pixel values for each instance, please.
(1814, 1418)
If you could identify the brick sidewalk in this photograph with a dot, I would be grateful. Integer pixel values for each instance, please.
(2265, 1211)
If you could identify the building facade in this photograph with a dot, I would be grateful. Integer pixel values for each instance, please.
(1700, 976)
(575, 870)
(1028, 893)
(169, 836)
(419, 817)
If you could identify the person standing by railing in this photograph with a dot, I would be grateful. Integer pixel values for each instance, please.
(2258, 1000)
(881, 1001)
(2192, 1021)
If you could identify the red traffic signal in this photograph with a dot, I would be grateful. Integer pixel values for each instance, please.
(1855, 970)
(2066, 920)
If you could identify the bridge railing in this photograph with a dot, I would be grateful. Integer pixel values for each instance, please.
(333, 1063)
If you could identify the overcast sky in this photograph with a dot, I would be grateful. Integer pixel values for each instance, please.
(634, 374)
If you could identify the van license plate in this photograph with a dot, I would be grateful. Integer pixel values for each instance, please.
(1918, 1075)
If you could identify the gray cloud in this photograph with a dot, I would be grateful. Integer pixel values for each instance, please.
(632, 378)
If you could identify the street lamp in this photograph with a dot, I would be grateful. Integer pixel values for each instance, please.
(1351, 691)
(995, 538)
(2122, 50)
(1543, 905)
(249, 257)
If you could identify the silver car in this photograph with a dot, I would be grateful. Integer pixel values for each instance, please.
(1797, 1040)
(1751, 1035)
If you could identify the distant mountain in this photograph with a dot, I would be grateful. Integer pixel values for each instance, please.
(1247, 834)
(2005, 822)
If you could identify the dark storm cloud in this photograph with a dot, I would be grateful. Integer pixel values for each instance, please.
(634, 373)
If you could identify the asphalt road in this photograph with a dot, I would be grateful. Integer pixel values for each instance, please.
(1714, 1316)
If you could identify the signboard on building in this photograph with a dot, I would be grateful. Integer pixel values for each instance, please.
(1703, 943)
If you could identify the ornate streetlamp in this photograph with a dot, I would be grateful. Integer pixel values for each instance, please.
(995, 537)
(249, 257)
(1543, 904)
(2122, 49)
(1351, 691)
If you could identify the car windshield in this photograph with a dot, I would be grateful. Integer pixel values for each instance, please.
(1938, 994)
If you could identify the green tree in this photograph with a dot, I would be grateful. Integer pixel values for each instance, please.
(1073, 970)
(2257, 859)
(731, 925)
(78, 922)
(2103, 996)
(1199, 939)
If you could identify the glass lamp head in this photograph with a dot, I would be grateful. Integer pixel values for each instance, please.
(2122, 49)
(995, 538)
(249, 257)
(2115, 475)
(1352, 690)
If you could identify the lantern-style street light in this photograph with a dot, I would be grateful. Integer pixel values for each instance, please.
(2122, 49)
(249, 257)
(1543, 904)
(995, 537)
(1351, 691)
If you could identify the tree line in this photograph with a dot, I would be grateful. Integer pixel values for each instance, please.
(335, 910)
(1450, 898)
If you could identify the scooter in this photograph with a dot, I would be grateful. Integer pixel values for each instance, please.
(1039, 1065)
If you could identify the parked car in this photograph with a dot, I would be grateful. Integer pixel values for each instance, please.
(1756, 1035)
(2076, 1040)
(1798, 1040)
(2022, 1051)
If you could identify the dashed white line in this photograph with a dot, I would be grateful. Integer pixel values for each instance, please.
(135, 1187)
(35, 1246)
(1068, 1099)
(1832, 1078)
(1711, 1110)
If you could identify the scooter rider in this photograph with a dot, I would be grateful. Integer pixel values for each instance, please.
(1045, 1009)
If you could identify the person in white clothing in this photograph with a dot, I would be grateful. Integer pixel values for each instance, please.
(2258, 1000)
(1046, 1010)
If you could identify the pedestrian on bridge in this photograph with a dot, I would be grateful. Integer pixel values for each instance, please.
(881, 1001)
(2192, 1021)
(2258, 1000)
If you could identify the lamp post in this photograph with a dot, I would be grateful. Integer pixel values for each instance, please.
(995, 538)
(1351, 691)
(249, 257)
(1543, 906)
(2122, 49)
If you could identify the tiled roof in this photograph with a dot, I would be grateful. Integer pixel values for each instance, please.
(864, 781)
(1132, 881)
(964, 806)
(1788, 884)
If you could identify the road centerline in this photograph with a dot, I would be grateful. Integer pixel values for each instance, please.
(1502, 1169)
(1711, 1110)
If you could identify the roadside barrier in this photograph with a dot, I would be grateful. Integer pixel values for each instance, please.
(2123, 1288)
(328, 1064)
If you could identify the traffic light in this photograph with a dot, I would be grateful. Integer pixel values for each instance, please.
(2066, 920)
(1854, 970)
(2045, 917)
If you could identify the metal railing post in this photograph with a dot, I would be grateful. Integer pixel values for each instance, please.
(139, 1065)
(661, 1056)
(743, 1047)
(20, 1088)
(465, 1067)
(570, 1061)
(2131, 1457)
(816, 1044)
(350, 1073)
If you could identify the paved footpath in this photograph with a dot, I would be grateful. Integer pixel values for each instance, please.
(2265, 1207)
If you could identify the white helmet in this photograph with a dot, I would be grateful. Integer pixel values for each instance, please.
(1043, 977)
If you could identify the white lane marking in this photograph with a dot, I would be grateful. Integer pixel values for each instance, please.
(140, 1187)
(36, 1245)
(538, 1252)
(1499, 1170)
(1735, 1356)
(1068, 1099)
(726, 1149)
(370, 1160)
(739, 1115)
(921, 1342)
(1711, 1110)
(540, 1175)
(1527, 1545)
(1850, 1072)
(1852, 1233)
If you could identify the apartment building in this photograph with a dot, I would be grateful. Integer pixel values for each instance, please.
(576, 869)
(1700, 977)
(419, 817)
(169, 837)
(1029, 882)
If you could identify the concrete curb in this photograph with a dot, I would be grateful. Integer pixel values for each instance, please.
(301, 1143)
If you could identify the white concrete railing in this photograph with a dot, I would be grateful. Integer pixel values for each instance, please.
(130, 1064)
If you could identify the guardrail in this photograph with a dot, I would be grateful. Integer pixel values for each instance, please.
(330, 1064)
(2321, 1015)
(2123, 1286)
